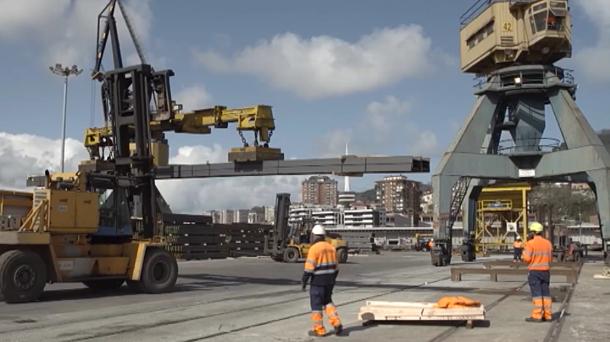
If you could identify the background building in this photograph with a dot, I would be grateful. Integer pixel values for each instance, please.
(269, 214)
(346, 198)
(253, 217)
(328, 217)
(364, 217)
(319, 190)
(299, 213)
(227, 216)
(256, 215)
(241, 216)
(216, 216)
(398, 195)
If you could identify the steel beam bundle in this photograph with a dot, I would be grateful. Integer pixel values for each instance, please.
(346, 165)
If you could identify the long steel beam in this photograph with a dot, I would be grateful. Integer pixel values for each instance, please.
(345, 165)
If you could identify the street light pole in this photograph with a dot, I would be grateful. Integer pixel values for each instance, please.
(65, 72)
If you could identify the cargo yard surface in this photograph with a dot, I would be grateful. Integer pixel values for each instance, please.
(257, 299)
(101, 251)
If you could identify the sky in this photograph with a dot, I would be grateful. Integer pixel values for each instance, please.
(382, 76)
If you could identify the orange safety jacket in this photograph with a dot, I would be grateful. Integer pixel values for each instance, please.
(517, 244)
(321, 264)
(538, 254)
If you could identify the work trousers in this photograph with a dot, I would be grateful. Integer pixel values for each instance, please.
(321, 301)
(539, 282)
(517, 253)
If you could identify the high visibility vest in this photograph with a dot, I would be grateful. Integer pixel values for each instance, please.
(538, 254)
(322, 263)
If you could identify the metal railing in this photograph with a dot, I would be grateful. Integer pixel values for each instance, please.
(473, 11)
(527, 77)
(542, 145)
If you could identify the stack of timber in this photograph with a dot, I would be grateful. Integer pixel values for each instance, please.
(415, 311)
(245, 239)
(194, 237)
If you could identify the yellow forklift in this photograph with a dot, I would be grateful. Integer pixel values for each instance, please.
(291, 244)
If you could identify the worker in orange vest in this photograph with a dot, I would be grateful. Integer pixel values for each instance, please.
(538, 254)
(430, 244)
(321, 268)
(517, 249)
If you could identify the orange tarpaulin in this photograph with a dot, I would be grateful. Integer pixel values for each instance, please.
(449, 302)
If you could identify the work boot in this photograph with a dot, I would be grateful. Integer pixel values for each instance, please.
(339, 330)
(315, 334)
(533, 320)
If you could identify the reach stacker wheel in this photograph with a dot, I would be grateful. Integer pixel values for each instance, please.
(159, 271)
(23, 275)
(342, 255)
(291, 255)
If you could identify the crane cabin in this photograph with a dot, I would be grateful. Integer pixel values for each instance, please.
(499, 33)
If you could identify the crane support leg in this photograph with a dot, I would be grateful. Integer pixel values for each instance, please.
(504, 105)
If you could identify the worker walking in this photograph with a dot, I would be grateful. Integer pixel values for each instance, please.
(430, 244)
(517, 249)
(321, 268)
(538, 254)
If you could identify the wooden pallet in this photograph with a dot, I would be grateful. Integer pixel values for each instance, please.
(604, 275)
(415, 311)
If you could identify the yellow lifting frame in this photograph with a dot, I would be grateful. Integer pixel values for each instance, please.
(506, 202)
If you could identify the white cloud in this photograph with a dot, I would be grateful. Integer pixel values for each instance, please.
(382, 115)
(332, 143)
(324, 66)
(592, 61)
(65, 30)
(599, 11)
(200, 154)
(28, 16)
(193, 97)
(196, 195)
(424, 143)
(23, 155)
(383, 124)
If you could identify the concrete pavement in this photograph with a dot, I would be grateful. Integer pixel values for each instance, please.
(260, 300)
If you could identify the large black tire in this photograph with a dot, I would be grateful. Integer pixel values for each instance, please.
(159, 271)
(104, 284)
(23, 275)
(291, 254)
(468, 252)
(342, 255)
(439, 257)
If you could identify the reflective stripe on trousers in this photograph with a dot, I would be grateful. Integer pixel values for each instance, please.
(547, 306)
(333, 317)
(537, 311)
(318, 325)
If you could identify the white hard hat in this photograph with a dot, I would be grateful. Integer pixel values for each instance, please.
(318, 229)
